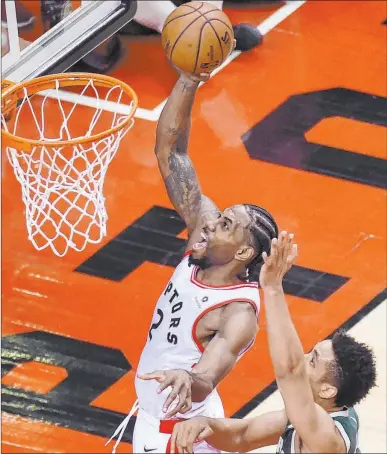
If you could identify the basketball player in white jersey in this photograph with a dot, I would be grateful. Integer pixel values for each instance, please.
(319, 389)
(206, 316)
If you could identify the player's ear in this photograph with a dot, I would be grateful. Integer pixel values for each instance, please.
(327, 391)
(233, 45)
(245, 253)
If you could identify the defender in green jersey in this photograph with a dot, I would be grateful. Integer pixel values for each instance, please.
(319, 389)
(346, 422)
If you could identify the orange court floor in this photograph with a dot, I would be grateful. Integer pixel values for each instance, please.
(297, 126)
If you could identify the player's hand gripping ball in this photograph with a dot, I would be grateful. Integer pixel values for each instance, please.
(197, 37)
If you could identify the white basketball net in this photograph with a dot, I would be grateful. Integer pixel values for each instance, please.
(62, 187)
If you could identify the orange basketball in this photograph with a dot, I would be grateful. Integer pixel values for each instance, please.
(197, 37)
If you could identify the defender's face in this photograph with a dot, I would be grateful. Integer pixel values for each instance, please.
(318, 363)
(220, 245)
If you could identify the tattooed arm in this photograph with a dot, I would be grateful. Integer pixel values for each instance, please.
(176, 168)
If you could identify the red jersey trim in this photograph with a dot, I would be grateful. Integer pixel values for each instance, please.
(166, 427)
(216, 306)
(195, 281)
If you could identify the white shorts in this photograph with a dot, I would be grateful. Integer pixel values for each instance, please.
(153, 436)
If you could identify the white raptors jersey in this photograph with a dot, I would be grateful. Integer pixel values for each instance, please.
(172, 342)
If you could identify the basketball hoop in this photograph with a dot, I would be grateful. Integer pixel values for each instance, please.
(60, 134)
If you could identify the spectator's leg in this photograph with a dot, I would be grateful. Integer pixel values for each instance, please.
(152, 14)
(217, 3)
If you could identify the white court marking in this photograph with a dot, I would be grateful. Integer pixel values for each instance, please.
(373, 410)
(154, 114)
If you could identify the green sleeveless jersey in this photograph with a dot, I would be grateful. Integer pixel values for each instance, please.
(347, 423)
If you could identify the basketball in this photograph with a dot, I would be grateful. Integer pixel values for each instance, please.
(197, 37)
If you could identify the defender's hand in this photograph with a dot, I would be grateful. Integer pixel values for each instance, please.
(186, 433)
(180, 381)
(282, 256)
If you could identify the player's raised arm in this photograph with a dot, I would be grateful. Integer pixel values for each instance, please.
(172, 136)
(313, 424)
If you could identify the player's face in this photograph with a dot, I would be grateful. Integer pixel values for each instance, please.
(318, 363)
(230, 235)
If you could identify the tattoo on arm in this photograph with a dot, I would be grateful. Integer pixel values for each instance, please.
(183, 188)
(172, 136)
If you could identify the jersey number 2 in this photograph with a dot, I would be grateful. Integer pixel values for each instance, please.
(157, 324)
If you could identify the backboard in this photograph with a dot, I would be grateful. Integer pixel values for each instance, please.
(75, 29)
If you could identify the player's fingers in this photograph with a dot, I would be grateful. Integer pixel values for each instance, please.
(204, 76)
(181, 441)
(191, 439)
(265, 257)
(175, 444)
(164, 384)
(156, 375)
(179, 448)
(175, 411)
(273, 251)
(291, 257)
(178, 390)
(185, 398)
(205, 433)
(188, 402)
(295, 250)
(293, 254)
(282, 239)
(184, 409)
(182, 402)
(168, 401)
(287, 246)
(174, 438)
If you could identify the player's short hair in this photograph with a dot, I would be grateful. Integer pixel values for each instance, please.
(263, 229)
(353, 370)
